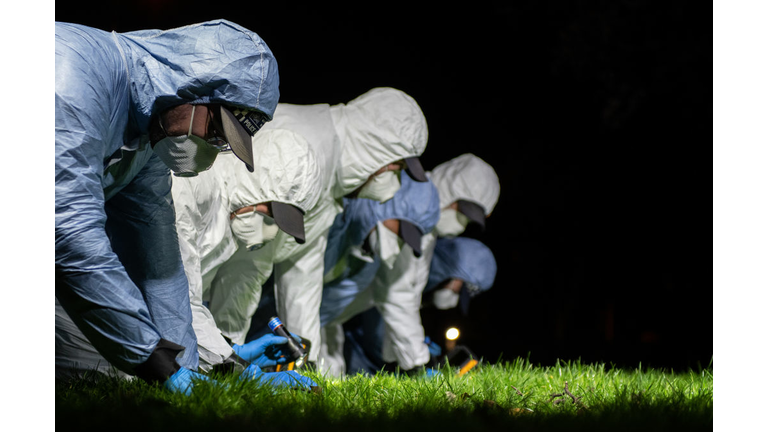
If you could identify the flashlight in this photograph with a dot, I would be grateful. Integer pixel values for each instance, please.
(450, 338)
(297, 352)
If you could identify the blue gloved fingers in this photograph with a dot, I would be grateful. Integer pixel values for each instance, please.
(251, 372)
(183, 380)
(255, 349)
(434, 349)
(270, 339)
(287, 379)
(296, 337)
(432, 373)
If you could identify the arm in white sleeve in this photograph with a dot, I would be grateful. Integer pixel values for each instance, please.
(211, 345)
(298, 291)
(236, 291)
(397, 295)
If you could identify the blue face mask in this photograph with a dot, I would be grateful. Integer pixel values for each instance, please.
(186, 155)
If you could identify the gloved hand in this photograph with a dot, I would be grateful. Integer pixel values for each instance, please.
(278, 379)
(183, 380)
(264, 351)
(431, 373)
(434, 348)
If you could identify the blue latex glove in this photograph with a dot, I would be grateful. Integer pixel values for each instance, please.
(183, 381)
(264, 351)
(434, 348)
(278, 379)
(431, 373)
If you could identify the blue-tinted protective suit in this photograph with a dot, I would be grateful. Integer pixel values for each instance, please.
(118, 269)
(460, 257)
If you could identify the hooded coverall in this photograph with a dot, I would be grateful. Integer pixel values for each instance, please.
(119, 273)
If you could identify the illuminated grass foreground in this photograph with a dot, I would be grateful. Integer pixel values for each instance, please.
(510, 396)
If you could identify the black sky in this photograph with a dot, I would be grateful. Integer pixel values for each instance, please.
(596, 115)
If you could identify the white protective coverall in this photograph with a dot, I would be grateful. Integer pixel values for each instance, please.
(352, 141)
(285, 170)
(398, 291)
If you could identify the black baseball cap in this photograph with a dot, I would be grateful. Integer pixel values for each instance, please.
(412, 236)
(239, 126)
(290, 219)
(414, 169)
(473, 211)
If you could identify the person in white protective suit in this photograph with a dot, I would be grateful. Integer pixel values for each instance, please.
(129, 107)
(235, 209)
(469, 191)
(361, 147)
(369, 235)
(215, 211)
(461, 268)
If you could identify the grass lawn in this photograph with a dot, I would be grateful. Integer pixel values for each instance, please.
(505, 396)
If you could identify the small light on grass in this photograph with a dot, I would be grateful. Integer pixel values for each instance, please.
(452, 333)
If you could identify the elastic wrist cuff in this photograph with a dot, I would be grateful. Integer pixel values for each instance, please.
(234, 364)
(161, 364)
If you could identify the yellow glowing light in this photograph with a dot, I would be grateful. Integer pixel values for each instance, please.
(452, 333)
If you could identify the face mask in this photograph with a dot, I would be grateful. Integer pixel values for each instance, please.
(385, 244)
(451, 223)
(186, 155)
(445, 298)
(254, 229)
(381, 187)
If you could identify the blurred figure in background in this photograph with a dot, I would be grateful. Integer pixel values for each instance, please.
(468, 188)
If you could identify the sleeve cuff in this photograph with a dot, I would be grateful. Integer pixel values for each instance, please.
(161, 364)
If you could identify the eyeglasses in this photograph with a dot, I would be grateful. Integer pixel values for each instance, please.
(216, 141)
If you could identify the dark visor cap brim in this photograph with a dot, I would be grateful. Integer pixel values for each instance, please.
(473, 211)
(238, 138)
(412, 236)
(464, 298)
(415, 170)
(289, 219)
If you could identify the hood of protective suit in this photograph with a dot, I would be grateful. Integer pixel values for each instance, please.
(377, 128)
(285, 170)
(211, 62)
(415, 202)
(462, 258)
(469, 178)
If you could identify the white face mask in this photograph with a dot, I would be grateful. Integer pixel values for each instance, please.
(445, 298)
(385, 244)
(451, 223)
(381, 187)
(254, 229)
(186, 155)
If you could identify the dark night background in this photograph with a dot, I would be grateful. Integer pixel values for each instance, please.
(597, 117)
